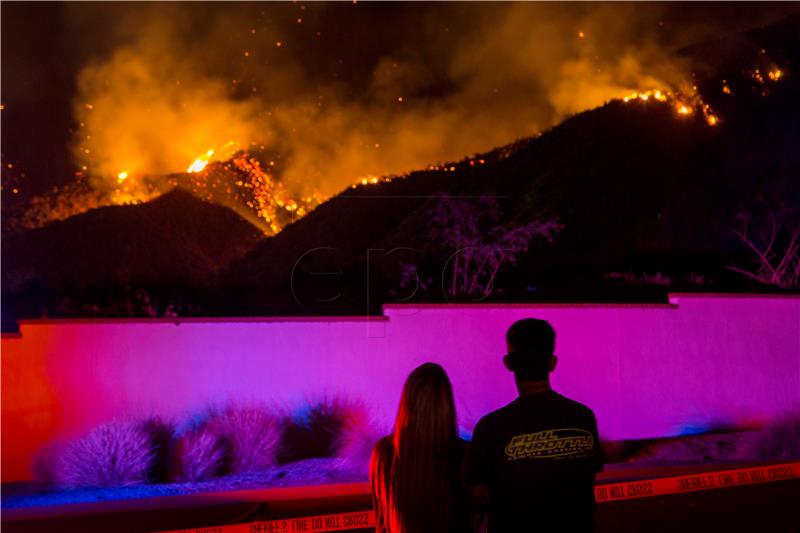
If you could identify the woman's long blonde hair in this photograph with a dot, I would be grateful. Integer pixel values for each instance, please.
(415, 472)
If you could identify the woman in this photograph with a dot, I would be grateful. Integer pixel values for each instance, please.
(416, 473)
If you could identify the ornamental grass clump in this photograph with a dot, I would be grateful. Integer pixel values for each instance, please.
(253, 434)
(114, 454)
(199, 455)
(234, 440)
(316, 430)
(356, 440)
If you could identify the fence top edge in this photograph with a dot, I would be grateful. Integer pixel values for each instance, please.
(735, 295)
(670, 305)
(196, 320)
(543, 305)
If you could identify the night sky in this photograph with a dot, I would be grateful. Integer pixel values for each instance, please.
(337, 91)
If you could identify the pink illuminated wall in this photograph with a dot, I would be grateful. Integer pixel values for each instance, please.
(645, 370)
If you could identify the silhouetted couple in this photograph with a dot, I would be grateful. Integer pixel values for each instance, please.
(530, 467)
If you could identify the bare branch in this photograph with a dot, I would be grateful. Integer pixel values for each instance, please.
(776, 249)
(754, 277)
(483, 245)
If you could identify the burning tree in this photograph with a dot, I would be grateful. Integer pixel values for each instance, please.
(482, 246)
(774, 241)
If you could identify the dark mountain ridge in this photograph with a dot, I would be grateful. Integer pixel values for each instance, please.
(171, 245)
(643, 193)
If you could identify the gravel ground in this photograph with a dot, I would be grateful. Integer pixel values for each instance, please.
(307, 472)
(695, 450)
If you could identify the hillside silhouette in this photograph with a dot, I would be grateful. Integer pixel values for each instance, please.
(169, 247)
(648, 200)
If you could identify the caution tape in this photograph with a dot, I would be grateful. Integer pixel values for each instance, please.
(719, 479)
(307, 524)
(603, 493)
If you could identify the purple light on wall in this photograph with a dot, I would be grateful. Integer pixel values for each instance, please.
(647, 371)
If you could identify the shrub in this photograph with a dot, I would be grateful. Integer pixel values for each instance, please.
(200, 454)
(356, 441)
(253, 434)
(315, 430)
(112, 455)
(234, 440)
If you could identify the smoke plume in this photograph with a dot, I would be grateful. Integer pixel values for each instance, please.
(333, 93)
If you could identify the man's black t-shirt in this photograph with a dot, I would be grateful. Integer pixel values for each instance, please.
(538, 456)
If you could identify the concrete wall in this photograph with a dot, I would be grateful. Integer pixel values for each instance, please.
(647, 371)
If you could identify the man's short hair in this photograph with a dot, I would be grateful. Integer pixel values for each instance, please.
(531, 344)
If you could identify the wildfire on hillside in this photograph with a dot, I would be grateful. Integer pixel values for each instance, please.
(683, 105)
(243, 184)
(200, 163)
(233, 175)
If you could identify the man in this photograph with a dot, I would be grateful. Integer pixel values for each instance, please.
(534, 461)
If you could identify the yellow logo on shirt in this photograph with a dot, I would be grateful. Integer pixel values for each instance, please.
(550, 444)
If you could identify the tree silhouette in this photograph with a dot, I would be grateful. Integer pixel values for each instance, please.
(774, 239)
(481, 244)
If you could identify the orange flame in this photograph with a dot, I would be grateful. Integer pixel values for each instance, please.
(684, 104)
(200, 163)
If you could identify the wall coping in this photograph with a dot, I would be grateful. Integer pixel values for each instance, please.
(736, 295)
(196, 320)
(670, 305)
(545, 305)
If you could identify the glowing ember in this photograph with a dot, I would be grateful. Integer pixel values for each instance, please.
(242, 184)
(772, 75)
(775, 74)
